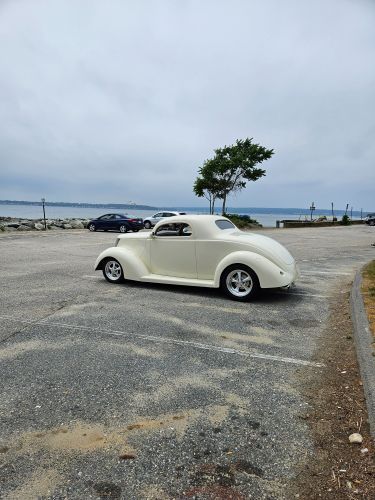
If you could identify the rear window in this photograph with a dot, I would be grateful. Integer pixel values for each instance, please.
(224, 224)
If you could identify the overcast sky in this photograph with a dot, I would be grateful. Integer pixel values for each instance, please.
(117, 101)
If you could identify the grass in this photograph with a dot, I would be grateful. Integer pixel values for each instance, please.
(368, 292)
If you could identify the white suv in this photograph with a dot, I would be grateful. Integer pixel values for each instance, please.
(150, 222)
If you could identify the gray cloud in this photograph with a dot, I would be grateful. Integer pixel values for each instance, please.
(111, 101)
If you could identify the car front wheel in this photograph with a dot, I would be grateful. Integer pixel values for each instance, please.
(147, 224)
(123, 229)
(112, 271)
(92, 227)
(239, 282)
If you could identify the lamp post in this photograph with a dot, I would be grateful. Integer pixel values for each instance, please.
(312, 208)
(44, 213)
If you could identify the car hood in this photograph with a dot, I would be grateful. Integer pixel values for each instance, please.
(134, 236)
(262, 245)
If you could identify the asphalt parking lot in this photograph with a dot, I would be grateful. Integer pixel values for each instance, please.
(143, 391)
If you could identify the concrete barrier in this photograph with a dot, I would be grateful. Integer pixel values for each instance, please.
(297, 223)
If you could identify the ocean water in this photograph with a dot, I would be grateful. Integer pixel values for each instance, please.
(265, 216)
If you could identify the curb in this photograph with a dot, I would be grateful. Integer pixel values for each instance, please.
(363, 341)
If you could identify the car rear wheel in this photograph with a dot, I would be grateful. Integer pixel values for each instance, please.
(112, 271)
(147, 224)
(371, 223)
(239, 282)
(92, 227)
(123, 229)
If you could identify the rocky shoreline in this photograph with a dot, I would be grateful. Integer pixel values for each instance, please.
(8, 224)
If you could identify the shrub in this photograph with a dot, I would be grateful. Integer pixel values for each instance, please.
(242, 221)
(345, 221)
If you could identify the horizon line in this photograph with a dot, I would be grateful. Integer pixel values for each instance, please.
(155, 207)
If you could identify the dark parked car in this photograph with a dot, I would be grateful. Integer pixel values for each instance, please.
(370, 219)
(116, 222)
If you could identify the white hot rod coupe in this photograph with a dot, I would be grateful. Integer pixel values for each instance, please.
(200, 250)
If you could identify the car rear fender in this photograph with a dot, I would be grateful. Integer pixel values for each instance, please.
(132, 265)
(269, 275)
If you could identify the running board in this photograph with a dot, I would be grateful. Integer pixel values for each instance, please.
(173, 280)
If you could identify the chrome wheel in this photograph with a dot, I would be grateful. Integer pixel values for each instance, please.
(113, 271)
(239, 283)
(92, 227)
(123, 229)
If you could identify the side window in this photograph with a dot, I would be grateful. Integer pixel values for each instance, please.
(166, 230)
(104, 217)
(166, 214)
(157, 215)
(178, 229)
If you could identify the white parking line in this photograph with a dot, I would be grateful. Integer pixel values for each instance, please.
(304, 294)
(164, 340)
(333, 273)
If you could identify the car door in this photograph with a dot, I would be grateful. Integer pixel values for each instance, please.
(104, 222)
(156, 218)
(172, 251)
(113, 222)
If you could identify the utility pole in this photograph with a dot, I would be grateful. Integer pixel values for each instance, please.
(44, 213)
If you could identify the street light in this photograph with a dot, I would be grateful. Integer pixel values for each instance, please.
(312, 208)
(44, 213)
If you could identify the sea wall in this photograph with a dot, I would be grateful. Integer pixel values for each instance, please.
(289, 223)
(11, 224)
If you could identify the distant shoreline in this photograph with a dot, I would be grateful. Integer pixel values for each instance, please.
(130, 206)
(116, 206)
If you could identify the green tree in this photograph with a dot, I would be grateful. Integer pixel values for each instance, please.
(230, 169)
(203, 189)
(208, 185)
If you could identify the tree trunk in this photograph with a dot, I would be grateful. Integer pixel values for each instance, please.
(224, 203)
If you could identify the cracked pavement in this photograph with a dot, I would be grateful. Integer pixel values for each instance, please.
(148, 391)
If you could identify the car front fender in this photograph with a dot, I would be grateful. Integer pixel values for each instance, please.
(269, 274)
(131, 264)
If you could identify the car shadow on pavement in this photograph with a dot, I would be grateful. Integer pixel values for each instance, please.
(265, 295)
